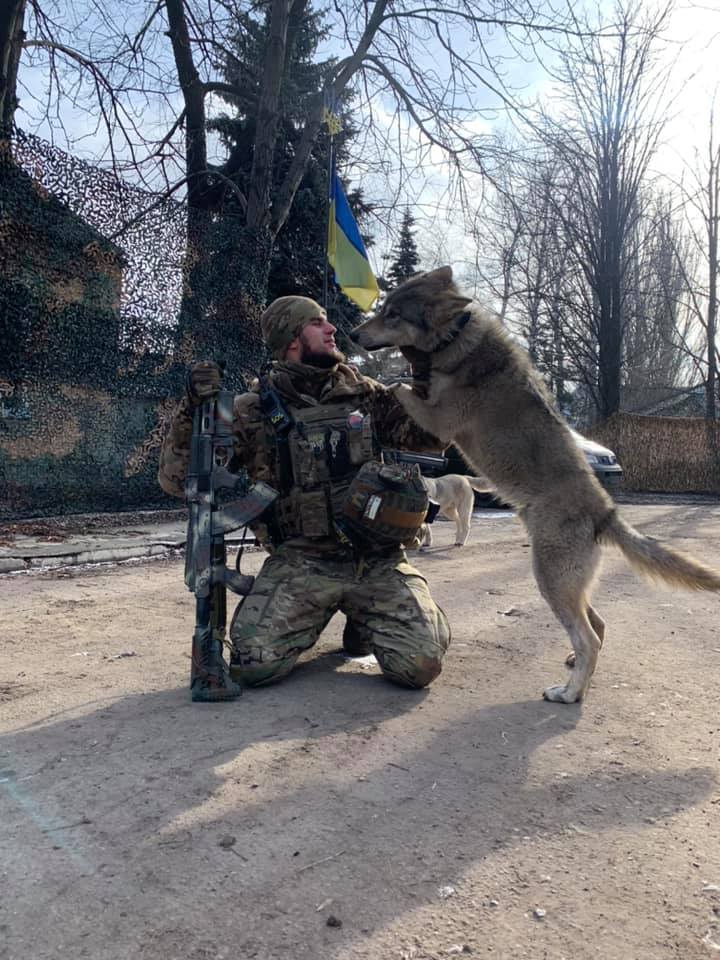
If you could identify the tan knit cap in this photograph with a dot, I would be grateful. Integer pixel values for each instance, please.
(284, 319)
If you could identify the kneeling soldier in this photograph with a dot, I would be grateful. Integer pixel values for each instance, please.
(313, 429)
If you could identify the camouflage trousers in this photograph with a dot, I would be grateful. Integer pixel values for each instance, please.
(387, 603)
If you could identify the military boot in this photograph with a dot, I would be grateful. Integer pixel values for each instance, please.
(209, 677)
(235, 665)
(354, 643)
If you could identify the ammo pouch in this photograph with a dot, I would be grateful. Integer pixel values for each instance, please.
(385, 505)
(325, 446)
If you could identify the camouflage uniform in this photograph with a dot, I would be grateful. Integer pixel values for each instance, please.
(306, 580)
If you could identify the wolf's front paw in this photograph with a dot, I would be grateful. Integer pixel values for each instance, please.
(399, 387)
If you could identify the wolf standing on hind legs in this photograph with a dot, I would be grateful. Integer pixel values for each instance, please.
(479, 391)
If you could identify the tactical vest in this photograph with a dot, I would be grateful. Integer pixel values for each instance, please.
(326, 445)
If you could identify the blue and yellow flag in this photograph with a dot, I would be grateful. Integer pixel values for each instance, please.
(346, 251)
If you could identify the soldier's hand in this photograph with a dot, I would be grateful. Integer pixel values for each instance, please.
(203, 381)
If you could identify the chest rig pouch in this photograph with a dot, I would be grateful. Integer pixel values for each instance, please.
(320, 449)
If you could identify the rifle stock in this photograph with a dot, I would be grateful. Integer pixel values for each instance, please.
(219, 502)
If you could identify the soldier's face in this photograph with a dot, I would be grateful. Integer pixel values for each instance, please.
(317, 343)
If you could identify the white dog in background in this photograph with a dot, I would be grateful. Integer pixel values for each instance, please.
(455, 495)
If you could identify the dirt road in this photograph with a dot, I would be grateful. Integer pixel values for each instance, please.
(336, 817)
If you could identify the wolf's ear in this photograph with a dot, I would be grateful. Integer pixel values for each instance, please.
(442, 276)
(460, 300)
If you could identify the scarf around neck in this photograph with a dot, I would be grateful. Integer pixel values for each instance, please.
(306, 384)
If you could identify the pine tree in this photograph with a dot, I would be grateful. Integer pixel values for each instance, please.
(405, 252)
(298, 257)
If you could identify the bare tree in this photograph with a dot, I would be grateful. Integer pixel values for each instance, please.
(612, 107)
(121, 60)
(703, 207)
(658, 324)
(582, 256)
(525, 260)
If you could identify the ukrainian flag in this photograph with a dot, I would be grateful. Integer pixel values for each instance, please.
(346, 251)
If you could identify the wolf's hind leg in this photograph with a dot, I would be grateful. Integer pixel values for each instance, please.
(586, 646)
(598, 625)
(564, 569)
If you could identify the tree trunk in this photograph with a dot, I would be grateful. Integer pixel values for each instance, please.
(12, 18)
(258, 208)
(712, 313)
(227, 262)
(228, 256)
(610, 292)
(226, 276)
(196, 168)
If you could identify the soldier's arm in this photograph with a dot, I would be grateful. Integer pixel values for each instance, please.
(393, 426)
(175, 451)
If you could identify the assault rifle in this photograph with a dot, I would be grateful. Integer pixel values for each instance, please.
(219, 502)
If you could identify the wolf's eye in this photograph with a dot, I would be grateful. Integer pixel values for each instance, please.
(391, 315)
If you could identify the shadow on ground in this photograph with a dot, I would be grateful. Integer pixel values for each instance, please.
(186, 827)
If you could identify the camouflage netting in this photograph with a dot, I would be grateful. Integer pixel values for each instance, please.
(101, 308)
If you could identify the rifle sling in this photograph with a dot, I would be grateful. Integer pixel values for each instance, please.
(276, 414)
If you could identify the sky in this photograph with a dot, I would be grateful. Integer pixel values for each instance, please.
(691, 50)
(696, 31)
(693, 47)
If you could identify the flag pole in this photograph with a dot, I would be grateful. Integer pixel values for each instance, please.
(327, 217)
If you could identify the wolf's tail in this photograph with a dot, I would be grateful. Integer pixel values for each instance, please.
(654, 560)
(481, 484)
